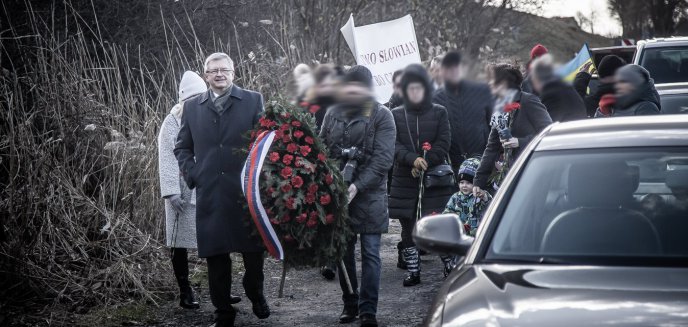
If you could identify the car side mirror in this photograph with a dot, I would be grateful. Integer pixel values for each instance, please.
(442, 234)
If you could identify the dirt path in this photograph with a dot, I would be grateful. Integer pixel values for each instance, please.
(310, 300)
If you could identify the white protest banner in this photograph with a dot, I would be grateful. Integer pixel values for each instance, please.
(383, 48)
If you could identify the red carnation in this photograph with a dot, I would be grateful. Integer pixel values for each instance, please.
(305, 150)
(284, 127)
(286, 188)
(303, 104)
(329, 219)
(274, 156)
(298, 134)
(291, 147)
(297, 181)
(513, 106)
(286, 172)
(286, 218)
(329, 179)
(296, 123)
(325, 199)
(287, 159)
(322, 157)
(427, 146)
(314, 215)
(302, 218)
(299, 162)
(290, 204)
(279, 134)
(314, 108)
(309, 140)
(286, 138)
(312, 223)
(310, 198)
(313, 188)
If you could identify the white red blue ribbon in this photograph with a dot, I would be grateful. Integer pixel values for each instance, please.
(250, 177)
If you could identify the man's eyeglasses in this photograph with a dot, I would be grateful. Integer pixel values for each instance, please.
(217, 71)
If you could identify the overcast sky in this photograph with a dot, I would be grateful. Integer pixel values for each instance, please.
(604, 24)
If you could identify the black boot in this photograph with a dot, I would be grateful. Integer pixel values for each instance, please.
(368, 320)
(180, 265)
(401, 264)
(328, 272)
(413, 266)
(224, 319)
(234, 299)
(261, 308)
(349, 314)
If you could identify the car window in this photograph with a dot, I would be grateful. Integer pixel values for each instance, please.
(666, 65)
(597, 203)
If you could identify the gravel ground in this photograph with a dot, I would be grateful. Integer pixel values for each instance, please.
(310, 300)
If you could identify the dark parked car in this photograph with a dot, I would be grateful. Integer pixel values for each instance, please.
(589, 229)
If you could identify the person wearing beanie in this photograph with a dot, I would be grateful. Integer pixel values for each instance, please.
(560, 98)
(635, 94)
(359, 133)
(322, 94)
(605, 72)
(466, 205)
(469, 107)
(212, 129)
(536, 52)
(417, 121)
(180, 201)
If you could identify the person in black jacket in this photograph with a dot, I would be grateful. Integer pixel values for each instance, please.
(518, 117)
(396, 99)
(560, 98)
(606, 70)
(418, 121)
(635, 94)
(359, 130)
(469, 106)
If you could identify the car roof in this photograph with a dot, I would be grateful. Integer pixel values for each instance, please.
(663, 42)
(639, 131)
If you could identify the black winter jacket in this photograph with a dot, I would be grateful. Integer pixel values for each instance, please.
(372, 131)
(469, 107)
(562, 101)
(528, 121)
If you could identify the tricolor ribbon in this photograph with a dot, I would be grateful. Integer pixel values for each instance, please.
(250, 177)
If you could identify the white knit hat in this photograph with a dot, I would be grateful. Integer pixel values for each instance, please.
(191, 85)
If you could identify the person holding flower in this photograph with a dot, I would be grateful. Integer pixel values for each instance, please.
(422, 142)
(518, 117)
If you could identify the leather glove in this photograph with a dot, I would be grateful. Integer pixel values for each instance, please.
(176, 202)
(353, 190)
(420, 164)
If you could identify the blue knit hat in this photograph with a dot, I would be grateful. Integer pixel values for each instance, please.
(468, 168)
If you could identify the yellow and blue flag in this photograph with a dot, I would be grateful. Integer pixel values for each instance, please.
(569, 70)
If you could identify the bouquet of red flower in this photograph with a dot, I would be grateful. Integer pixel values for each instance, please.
(301, 190)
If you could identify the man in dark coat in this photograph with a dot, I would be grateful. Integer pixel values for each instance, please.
(635, 94)
(607, 67)
(560, 98)
(359, 132)
(469, 106)
(212, 129)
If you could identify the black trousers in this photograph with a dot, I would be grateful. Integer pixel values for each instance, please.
(220, 279)
(407, 225)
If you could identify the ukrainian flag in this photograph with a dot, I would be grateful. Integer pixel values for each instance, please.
(569, 70)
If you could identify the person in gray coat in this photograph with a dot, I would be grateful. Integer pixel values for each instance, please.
(635, 94)
(360, 134)
(212, 131)
(180, 200)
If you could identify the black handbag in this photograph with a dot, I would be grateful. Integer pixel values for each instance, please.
(441, 175)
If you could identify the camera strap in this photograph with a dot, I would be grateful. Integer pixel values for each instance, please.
(408, 129)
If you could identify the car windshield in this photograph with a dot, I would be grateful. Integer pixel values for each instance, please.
(587, 206)
(666, 65)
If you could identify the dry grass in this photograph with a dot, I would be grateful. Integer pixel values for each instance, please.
(82, 220)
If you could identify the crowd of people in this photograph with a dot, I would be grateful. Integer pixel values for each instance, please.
(441, 144)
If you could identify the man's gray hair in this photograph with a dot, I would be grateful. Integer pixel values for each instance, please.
(218, 56)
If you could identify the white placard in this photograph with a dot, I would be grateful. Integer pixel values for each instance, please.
(383, 48)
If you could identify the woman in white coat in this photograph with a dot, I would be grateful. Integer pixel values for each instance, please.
(180, 201)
